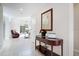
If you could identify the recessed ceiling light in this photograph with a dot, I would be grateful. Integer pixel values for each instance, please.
(21, 9)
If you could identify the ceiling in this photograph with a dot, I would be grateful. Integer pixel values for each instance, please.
(22, 9)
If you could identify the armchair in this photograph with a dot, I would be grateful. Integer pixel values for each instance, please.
(14, 34)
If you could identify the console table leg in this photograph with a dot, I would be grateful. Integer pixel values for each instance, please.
(39, 45)
(61, 49)
(51, 50)
(35, 44)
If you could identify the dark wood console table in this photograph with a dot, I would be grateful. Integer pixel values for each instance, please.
(52, 42)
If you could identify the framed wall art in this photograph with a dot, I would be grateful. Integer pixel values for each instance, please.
(47, 20)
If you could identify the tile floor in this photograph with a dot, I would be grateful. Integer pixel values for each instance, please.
(19, 47)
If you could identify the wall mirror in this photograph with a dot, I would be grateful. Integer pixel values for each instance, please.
(47, 20)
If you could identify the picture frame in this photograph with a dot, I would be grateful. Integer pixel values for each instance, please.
(47, 20)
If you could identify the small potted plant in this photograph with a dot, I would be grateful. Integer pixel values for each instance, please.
(43, 32)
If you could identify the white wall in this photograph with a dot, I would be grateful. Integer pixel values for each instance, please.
(16, 22)
(1, 25)
(61, 23)
(76, 29)
(7, 27)
(71, 29)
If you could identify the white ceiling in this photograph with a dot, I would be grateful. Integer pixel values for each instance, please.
(22, 9)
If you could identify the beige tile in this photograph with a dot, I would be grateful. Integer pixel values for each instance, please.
(19, 47)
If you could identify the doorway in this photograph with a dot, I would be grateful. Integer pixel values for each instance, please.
(76, 29)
